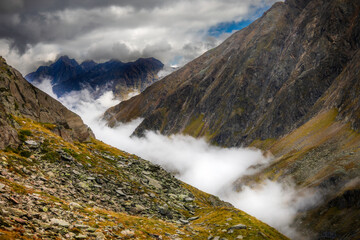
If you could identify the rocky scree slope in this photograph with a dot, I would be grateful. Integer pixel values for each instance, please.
(51, 188)
(68, 75)
(288, 84)
(20, 98)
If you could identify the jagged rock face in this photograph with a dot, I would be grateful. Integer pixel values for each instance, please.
(67, 75)
(261, 83)
(20, 98)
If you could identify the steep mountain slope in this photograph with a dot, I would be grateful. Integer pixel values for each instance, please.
(288, 84)
(19, 98)
(52, 188)
(262, 82)
(67, 75)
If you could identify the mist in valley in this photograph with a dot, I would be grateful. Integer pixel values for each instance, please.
(209, 168)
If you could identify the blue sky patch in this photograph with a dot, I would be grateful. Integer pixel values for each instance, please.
(229, 27)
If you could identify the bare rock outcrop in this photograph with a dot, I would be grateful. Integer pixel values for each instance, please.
(18, 98)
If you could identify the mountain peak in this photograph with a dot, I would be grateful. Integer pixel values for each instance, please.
(67, 75)
(297, 3)
(66, 60)
(88, 64)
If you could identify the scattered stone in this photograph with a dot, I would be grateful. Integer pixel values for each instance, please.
(188, 199)
(83, 185)
(81, 226)
(65, 156)
(19, 220)
(17, 212)
(164, 210)
(90, 229)
(50, 174)
(183, 221)
(138, 208)
(263, 235)
(156, 184)
(13, 200)
(120, 192)
(128, 233)
(4, 222)
(32, 144)
(238, 226)
(99, 236)
(74, 205)
(108, 156)
(193, 218)
(59, 222)
(81, 236)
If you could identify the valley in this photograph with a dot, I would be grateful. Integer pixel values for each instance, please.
(256, 138)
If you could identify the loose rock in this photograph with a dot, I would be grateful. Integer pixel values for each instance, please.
(238, 226)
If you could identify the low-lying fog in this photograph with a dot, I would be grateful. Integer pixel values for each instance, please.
(209, 168)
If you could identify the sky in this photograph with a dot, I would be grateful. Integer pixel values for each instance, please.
(36, 32)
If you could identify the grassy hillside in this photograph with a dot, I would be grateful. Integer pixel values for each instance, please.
(54, 189)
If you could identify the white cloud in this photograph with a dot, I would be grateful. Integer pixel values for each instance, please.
(45, 86)
(274, 203)
(119, 30)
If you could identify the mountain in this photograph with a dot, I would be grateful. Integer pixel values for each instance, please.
(18, 98)
(68, 75)
(262, 82)
(58, 182)
(288, 84)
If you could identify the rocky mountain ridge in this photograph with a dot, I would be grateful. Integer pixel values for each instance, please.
(287, 84)
(262, 82)
(68, 75)
(20, 98)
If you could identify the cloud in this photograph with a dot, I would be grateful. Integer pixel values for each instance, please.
(125, 30)
(275, 203)
(103, 51)
(210, 168)
(45, 86)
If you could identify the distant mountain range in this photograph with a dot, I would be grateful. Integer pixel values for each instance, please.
(68, 75)
(289, 84)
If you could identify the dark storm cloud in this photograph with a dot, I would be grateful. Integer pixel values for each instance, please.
(40, 30)
(34, 6)
(26, 22)
(105, 52)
